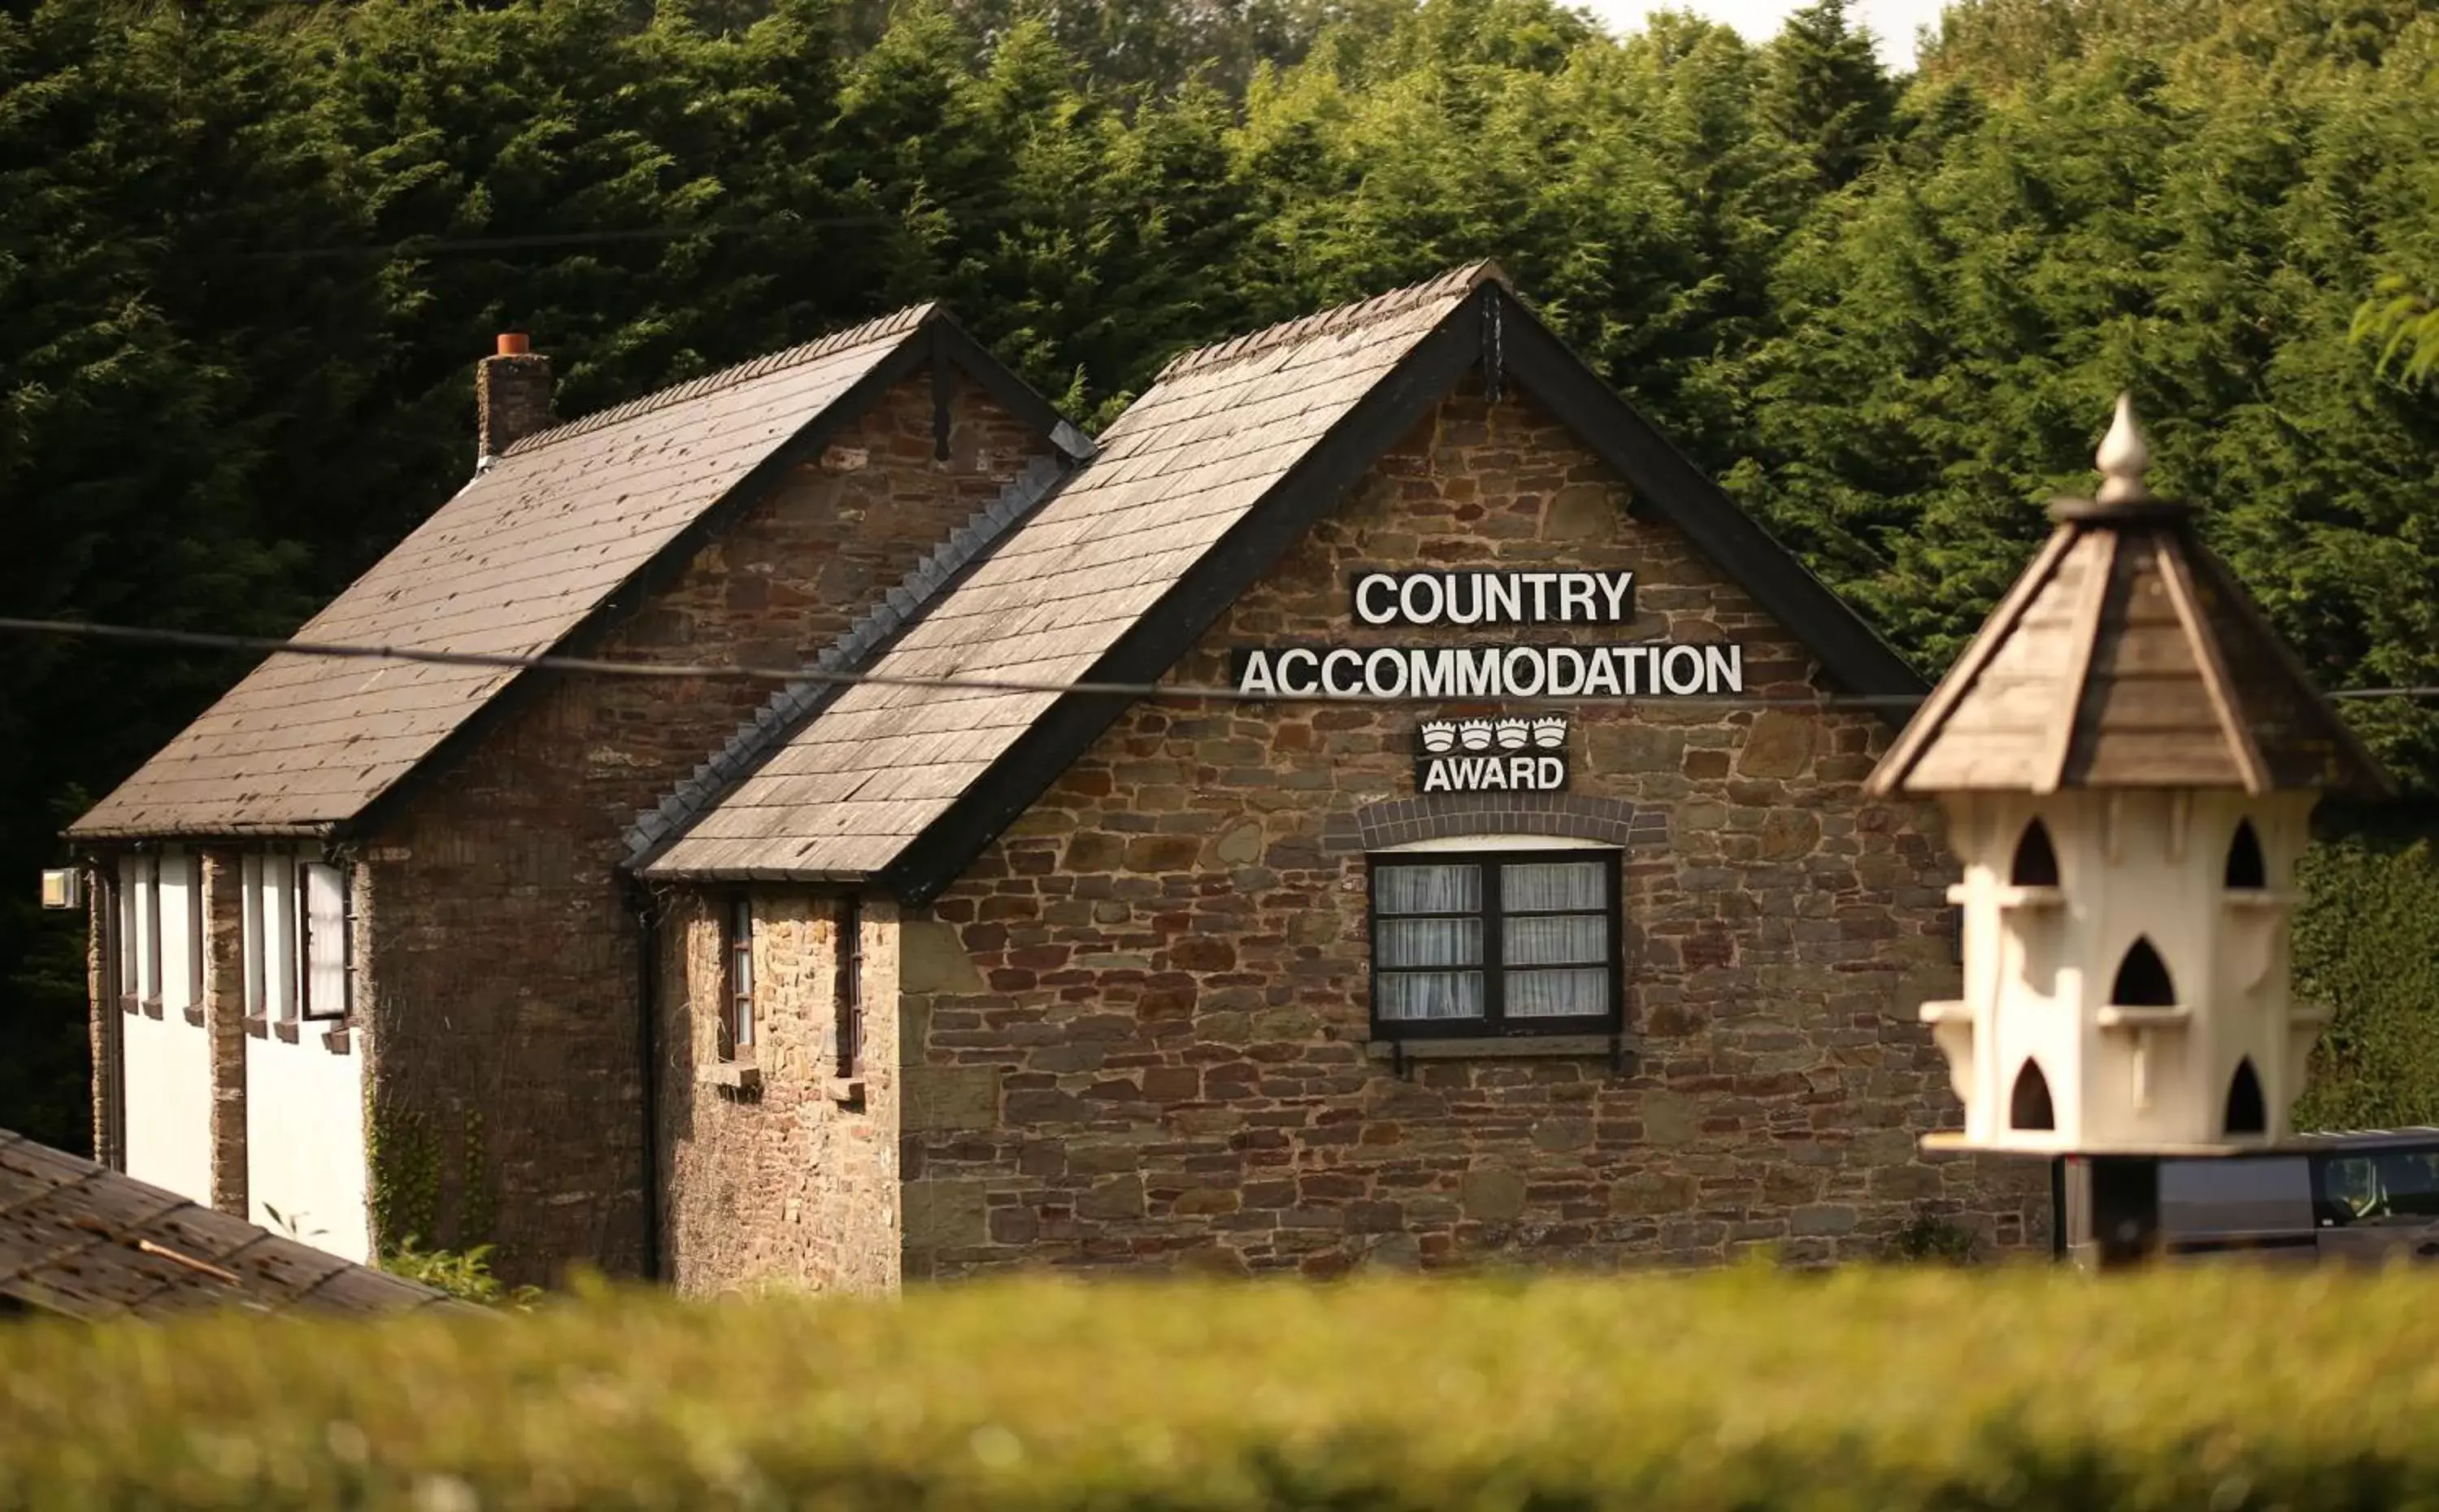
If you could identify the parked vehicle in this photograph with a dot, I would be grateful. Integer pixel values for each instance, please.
(2362, 1197)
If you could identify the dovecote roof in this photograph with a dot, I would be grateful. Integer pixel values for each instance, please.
(2127, 656)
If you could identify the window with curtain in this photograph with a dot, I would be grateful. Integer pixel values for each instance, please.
(1502, 943)
(325, 953)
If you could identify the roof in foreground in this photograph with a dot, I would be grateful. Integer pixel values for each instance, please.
(84, 1242)
(2127, 656)
(516, 561)
(1197, 489)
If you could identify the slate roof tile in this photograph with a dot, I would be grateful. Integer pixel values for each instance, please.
(1184, 464)
(517, 560)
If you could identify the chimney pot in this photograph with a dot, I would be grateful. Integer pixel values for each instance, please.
(514, 344)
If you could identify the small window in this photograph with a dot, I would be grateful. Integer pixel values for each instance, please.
(2247, 1110)
(737, 1021)
(2245, 871)
(198, 951)
(128, 904)
(1510, 943)
(177, 922)
(325, 951)
(850, 986)
(257, 976)
(2143, 980)
(149, 986)
(280, 954)
(2029, 1107)
(2036, 863)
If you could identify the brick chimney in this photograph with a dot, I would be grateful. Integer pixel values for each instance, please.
(511, 396)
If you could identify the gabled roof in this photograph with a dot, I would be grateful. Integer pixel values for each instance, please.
(78, 1239)
(535, 549)
(1198, 489)
(2127, 656)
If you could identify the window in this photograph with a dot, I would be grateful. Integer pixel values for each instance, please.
(2395, 1186)
(197, 956)
(2029, 1106)
(177, 929)
(736, 1020)
(2143, 980)
(257, 982)
(1520, 942)
(296, 920)
(2247, 1113)
(2246, 869)
(150, 966)
(850, 986)
(2036, 860)
(323, 952)
(131, 930)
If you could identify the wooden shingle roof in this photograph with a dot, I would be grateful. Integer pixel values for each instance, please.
(78, 1239)
(1222, 466)
(2127, 656)
(527, 553)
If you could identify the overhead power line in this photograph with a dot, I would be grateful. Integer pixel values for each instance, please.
(1181, 692)
(208, 640)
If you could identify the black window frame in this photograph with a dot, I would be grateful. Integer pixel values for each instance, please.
(847, 1046)
(1494, 1023)
(307, 1011)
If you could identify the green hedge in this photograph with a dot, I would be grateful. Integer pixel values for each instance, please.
(2367, 944)
(2213, 1389)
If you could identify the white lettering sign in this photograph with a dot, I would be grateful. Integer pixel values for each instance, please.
(1492, 671)
(1494, 598)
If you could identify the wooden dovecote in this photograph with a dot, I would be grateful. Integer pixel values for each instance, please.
(2128, 757)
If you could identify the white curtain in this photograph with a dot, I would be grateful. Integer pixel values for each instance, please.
(1549, 886)
(1431, 994)
(1555, 939)
(1557, 994)
(1429, 890)
(326, 941)
(1401, 944)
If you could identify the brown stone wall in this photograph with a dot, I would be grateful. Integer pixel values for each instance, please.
(792, 1182)
(503, 970)
(222, 874)
(101, 995)
(1169, 954)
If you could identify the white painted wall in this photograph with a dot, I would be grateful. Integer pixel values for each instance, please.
(305, 1140)
(168, 1078)
(166, 1063)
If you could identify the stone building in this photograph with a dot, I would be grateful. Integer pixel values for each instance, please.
(1585, 948)
(364, 965)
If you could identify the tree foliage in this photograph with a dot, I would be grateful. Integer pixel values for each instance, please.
(248, 253)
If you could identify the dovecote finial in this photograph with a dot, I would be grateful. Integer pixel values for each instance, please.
(2124, 455)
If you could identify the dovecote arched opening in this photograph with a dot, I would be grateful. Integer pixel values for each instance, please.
(2248, 1111)
(2246, 869)
(2036, 862)
(2143, 980)
(2029, 1106)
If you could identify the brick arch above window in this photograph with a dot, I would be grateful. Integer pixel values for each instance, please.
(1441, 816)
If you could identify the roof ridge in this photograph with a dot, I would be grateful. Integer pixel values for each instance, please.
(1454, 282)
(800, 699)
(896, 323)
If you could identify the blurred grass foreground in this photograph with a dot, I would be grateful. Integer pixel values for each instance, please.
(2208, 1390)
